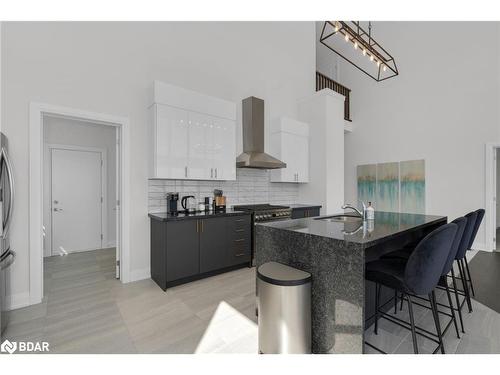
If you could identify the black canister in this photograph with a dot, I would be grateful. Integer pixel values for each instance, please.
(172, 200)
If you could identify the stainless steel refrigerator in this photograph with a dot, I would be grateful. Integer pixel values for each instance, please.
(7, 255)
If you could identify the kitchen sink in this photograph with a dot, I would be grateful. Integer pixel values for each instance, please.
(341, 218)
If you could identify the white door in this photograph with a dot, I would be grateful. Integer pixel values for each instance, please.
(171, 142)
(76, 200)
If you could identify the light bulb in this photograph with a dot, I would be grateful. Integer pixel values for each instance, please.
(378, 63)
(336, 26)
(385, 68)
(346, 37)
(364, 52)
(371, 58)
(355, 45)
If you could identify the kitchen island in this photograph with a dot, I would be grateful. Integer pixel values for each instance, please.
(334, 250)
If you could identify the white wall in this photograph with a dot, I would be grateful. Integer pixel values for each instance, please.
(109, 68)
(324, 112)
(78, 133)
(443, 107)
(326, 60)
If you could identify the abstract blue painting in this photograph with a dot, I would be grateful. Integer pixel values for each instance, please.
(367, 182)
(387, 198)
(413, 186)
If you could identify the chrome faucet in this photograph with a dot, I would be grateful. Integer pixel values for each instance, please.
(360, 214)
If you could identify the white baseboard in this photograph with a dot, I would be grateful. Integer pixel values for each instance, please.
(17, 301)
(111, 244)
(479, 246)
(137, 275)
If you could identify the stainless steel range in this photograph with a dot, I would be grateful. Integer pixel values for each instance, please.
(264, 213)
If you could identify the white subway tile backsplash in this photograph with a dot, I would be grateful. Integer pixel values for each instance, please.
(251, 186)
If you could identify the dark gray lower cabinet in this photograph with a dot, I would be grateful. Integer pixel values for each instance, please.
(183, 256)
(213, 244)
(185, 250)
(239, 240)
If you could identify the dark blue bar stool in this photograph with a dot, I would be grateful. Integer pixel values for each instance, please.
(480, 215)
(468, 237)
(419, 275)
(459, 243)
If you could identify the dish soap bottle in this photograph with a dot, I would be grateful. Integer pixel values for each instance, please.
(370, 212)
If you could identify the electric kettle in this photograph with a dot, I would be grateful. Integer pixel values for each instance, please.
(188, 205)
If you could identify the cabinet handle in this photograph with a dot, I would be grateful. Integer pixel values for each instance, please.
(197, 226)
(239, 255)
(239, 230)
(239, 240)
(201, 226)
(211, 173)
(239, 220)
(185, 172)
(215, 172)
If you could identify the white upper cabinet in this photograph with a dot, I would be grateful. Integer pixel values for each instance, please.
(170, 142)
(291, 142)
(223, 149)
(193, 136)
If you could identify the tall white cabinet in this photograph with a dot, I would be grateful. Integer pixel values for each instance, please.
(291, 145)
(192, 135)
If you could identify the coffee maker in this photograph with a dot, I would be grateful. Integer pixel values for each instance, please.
(219, 201)
(172, 200)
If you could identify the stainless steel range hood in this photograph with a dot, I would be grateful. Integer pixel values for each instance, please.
(253, 155)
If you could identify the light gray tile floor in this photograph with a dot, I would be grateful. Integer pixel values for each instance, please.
(86, 310)
(482, 331)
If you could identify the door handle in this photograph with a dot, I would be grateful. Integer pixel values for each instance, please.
(8, 217)
(7, 264)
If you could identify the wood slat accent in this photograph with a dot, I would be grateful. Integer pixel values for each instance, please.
(324, 82)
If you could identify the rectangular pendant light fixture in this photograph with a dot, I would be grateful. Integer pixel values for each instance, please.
(351, 42)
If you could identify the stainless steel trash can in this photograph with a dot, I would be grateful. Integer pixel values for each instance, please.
(284, 308)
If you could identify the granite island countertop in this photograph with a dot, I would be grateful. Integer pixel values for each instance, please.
(367, 233)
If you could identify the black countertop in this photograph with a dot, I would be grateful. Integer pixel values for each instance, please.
(300, 206)
(163, 216)
(385, 225)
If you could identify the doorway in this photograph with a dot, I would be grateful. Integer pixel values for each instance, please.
(81, 186)
(38, 232)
